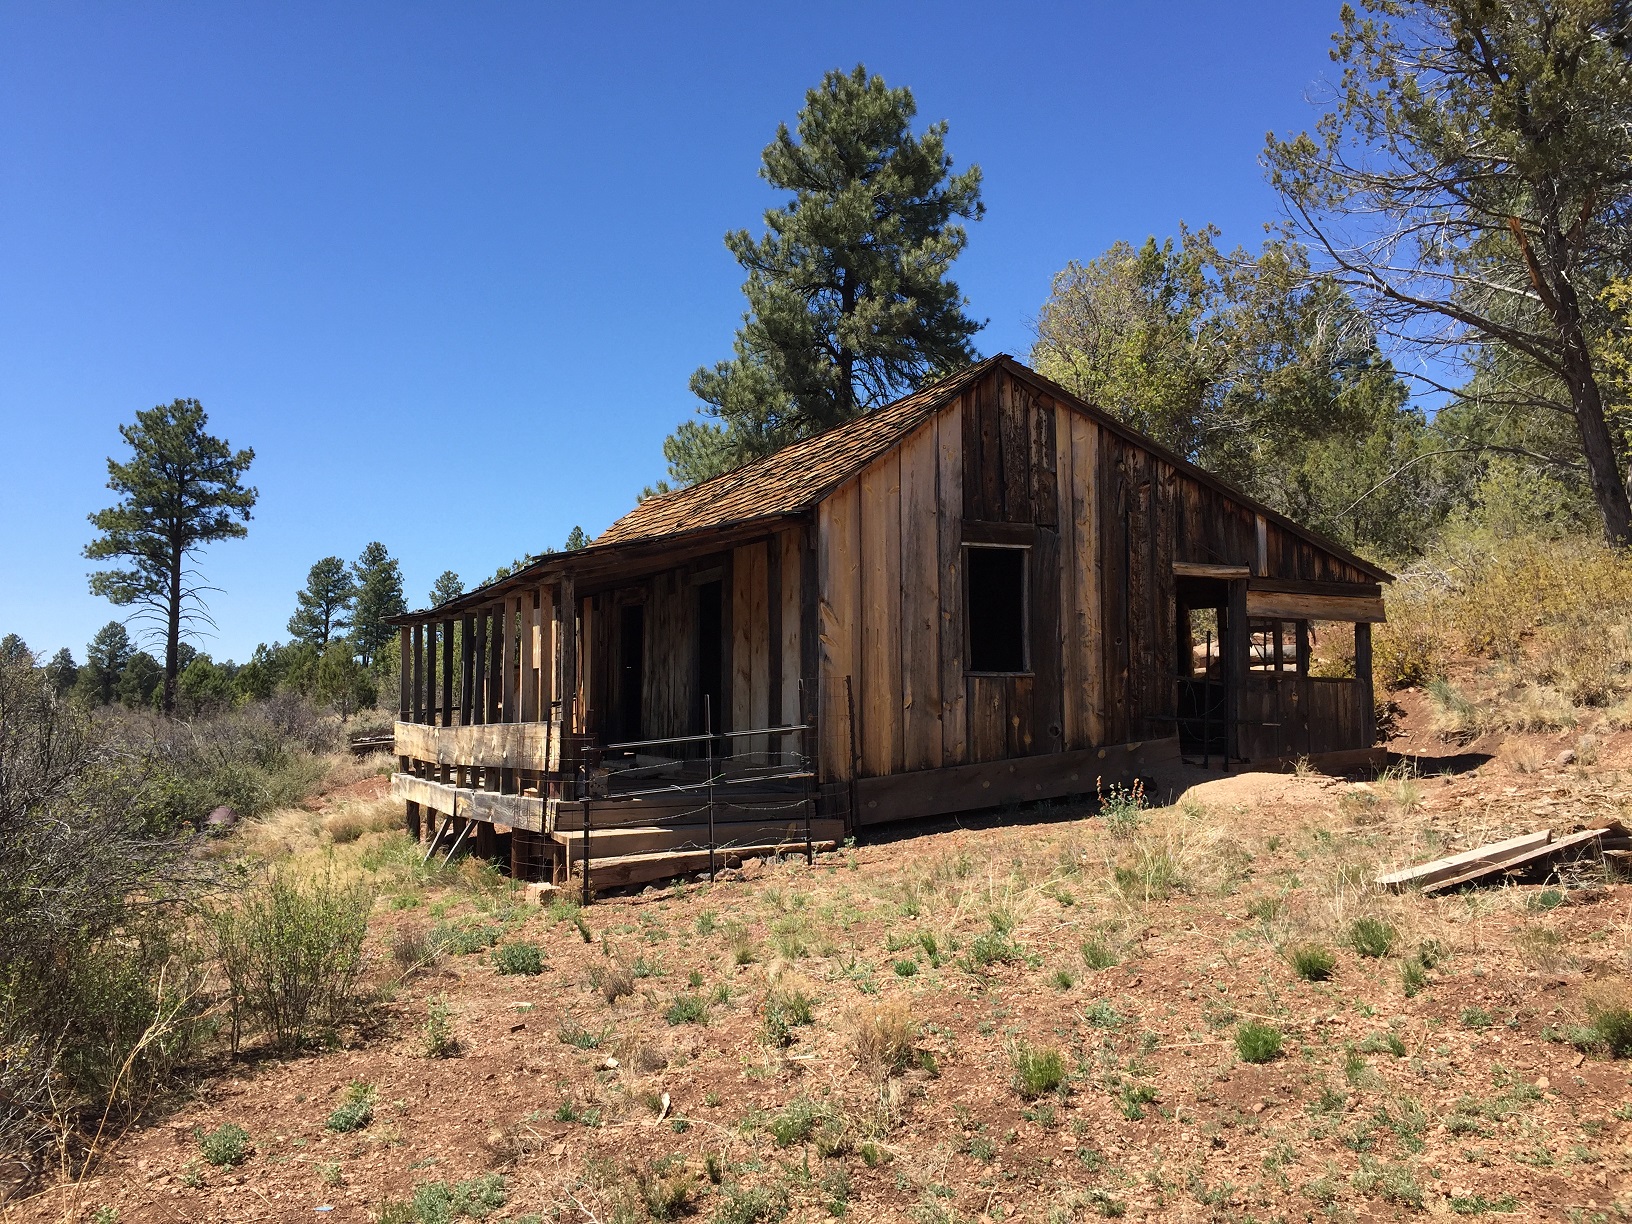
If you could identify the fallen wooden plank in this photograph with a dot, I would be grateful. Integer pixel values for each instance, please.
(1569, 841)
(1475, 860)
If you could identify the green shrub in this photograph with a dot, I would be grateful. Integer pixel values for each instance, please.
(1476, 1018)
(292, 954)
(1609, 1031)
(1313, 962)
(1037, 1070)
(439, 1203)
(991, 948)
(439, 1039)
(521, 957)
(355, 1112)
(228, 1144)
(687, 1009)
(1413, 977)
(1372, 937)
(760, 1205)
(1257, 1043)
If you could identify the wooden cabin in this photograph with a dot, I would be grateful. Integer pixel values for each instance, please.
(985, 593)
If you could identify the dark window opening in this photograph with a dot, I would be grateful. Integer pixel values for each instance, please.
(997, 609)
(631, 669)
(710, 654)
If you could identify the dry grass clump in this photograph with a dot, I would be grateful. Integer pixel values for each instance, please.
(352, 822)
(1559, 612)
(883, 1037)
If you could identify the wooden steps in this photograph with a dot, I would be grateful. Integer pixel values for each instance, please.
(644, 839)
(622, 869)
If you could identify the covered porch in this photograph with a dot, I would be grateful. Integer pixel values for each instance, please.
(607, 714)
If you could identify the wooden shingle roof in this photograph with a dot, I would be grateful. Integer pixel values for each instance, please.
(796, 477)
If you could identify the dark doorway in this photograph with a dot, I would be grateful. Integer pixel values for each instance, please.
(631, 669)
(710, 654)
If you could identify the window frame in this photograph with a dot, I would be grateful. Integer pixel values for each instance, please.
(1025, 608)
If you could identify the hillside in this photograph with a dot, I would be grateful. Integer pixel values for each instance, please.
(858, 1039)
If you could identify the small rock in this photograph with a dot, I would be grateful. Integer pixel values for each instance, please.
(541, 893)
(1542, 1082)
(1567, 757)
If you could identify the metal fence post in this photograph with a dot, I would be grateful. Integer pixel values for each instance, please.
(708, 747)
(584, 821)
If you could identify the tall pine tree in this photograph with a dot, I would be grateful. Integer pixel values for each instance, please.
(322, 608)
(849, 304)
(379, 598)
(180, 490)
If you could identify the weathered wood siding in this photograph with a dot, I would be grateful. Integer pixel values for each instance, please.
(1105, 520)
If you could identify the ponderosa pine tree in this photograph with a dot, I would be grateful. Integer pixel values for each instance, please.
(181, 489)
(379, 598)
(849, 304)
(1473, 184)
(322, 607)
(447, 586)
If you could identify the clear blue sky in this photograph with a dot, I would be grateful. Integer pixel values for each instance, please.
(448, 267)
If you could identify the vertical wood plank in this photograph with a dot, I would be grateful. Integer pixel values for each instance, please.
(1019, 728)
(478, 669)
(1164, 602)
(742, 646)
(510, 610)
(773, 614)
(920, 598)
(416, 686)
(1014, 427)
(496, 634)
(759, 644)
(1045, 489)
(1088, 576)
(1366, 714)
(1072, 729)
(527, 691)
(566, 653)
(790, 544)
(881, 616)
(838, 561)
(1113, 536)
(988, 718)
(404, 680)
(1047, 716)
(988, 472)
(546, 653)
(448, 713)
(950, 437)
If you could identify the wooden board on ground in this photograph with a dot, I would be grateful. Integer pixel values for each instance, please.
(1481, 858)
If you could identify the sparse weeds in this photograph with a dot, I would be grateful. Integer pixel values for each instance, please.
(1038, 1070)
(1371, 937)
(1312, 962)
(687, 1009)
(884, 1036)
(1257, 1043)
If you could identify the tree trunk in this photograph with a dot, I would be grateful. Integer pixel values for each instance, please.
(172, 635)
(1586, 398)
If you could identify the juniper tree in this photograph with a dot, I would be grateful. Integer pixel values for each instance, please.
(180, 490)
(849, 303)
(1473, 182)
(106, 657)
